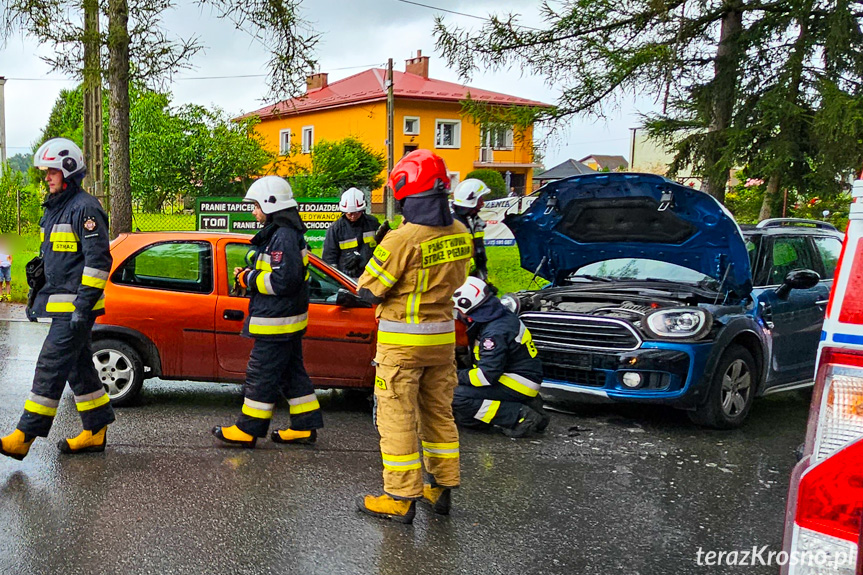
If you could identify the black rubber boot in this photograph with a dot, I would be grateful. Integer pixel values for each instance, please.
(537, 405)
(528, 420)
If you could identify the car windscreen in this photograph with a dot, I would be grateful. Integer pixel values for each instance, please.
(641, 269)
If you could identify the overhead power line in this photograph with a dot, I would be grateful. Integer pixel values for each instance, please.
(443, 9)
(180, 79)
(483, 18)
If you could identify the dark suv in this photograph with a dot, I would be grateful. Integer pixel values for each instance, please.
(658, 296)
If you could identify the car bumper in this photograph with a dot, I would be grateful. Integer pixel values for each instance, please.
(669, 373)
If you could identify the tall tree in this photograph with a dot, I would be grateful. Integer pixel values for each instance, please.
(144, 48)
(708, 62)
(598, 52)
(175, 151)
(118, 126)
(137, 45)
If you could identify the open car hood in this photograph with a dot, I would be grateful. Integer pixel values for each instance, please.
(594, 217)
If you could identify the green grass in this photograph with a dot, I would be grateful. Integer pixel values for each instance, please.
(505, 272)
(24, 248)
(504, 267)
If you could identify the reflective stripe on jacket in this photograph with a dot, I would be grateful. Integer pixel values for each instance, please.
(504, 354)
(75, 246)
(279, 286)
(344, 238)
(415, 270)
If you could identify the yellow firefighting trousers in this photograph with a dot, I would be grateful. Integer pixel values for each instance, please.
(404, 394)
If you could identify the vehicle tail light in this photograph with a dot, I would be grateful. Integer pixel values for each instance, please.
(840, 417)
(828, 516)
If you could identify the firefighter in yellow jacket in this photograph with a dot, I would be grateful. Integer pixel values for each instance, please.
(412, 276)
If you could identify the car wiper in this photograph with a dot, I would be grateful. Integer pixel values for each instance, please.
(590, 277)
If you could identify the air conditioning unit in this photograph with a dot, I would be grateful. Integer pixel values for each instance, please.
(486, 155)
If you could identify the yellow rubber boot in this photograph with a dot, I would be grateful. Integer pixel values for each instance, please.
(293, 436)
(440, 498)
(400, 510)
(234, 436)
(16, 445)
(85, 442)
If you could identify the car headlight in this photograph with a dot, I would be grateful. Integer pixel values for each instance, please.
(685, 323)
(511, 303)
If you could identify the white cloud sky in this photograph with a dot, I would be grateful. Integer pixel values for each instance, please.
(356, 34)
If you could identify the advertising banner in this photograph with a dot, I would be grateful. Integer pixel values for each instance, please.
(234, 215)
(493, 212)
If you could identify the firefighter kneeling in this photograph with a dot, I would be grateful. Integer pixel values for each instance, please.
(502, 390)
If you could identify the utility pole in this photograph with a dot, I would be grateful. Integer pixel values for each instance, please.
(93, 148)
(2, 121)
(389, 200)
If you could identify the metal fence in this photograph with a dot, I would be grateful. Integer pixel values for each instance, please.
(173, 216)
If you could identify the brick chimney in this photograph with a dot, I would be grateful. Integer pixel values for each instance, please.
(316, 81)
(418, 65)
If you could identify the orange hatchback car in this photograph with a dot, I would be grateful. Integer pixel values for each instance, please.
(172, 312)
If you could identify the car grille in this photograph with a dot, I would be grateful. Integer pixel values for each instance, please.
(565, 330)
(569, 374)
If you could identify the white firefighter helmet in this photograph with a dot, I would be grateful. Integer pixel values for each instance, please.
(353, 200)
(470, 295)
(272, 193)
(60, 154)
(468, 193)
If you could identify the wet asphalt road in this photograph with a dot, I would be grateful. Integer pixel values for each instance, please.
(623, 490)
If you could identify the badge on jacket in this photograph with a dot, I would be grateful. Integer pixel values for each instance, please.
(276, 257)
(488, 344)
(90, 224)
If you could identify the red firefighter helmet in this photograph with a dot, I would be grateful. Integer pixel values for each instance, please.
(418, 172)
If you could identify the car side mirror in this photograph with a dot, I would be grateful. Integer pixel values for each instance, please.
(347, 298)
(797, 279)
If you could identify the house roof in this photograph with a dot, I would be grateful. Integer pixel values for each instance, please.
(370, 86)
(564, 170)
(611, 162)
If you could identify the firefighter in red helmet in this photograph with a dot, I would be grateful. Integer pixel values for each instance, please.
(412, 276)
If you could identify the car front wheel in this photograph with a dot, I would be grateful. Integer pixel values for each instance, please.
(120, 370)
(731, 393)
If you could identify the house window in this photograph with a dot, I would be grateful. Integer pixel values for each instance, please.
(498, 138)
(308, 139)
(447, 134)
(412, 126)
(284, 142)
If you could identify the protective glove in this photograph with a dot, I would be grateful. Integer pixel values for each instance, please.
(352, 259)
(241, 277)
(31, 315)
(78, 322)
(382, 231)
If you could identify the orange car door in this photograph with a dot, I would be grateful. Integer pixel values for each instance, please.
(167, 292)
(339, 344)
(232, 350)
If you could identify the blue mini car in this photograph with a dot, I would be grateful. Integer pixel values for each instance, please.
(658, 296)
